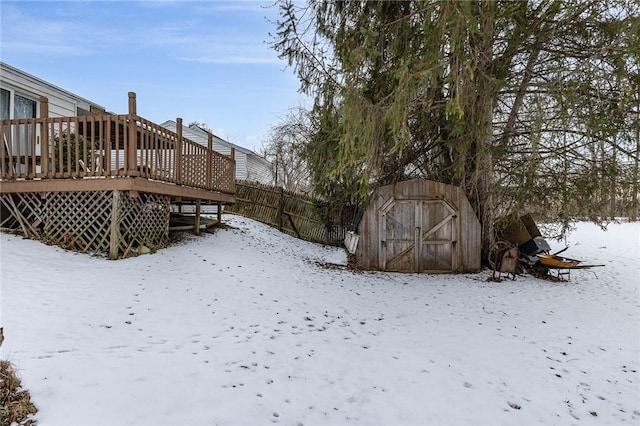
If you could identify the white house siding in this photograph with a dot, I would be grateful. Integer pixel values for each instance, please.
(249, 165)
(61, 102)
(259, 170)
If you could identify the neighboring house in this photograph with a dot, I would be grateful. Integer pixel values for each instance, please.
(249, 165)
(21, 94)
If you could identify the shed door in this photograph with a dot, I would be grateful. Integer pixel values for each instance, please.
(418, 236)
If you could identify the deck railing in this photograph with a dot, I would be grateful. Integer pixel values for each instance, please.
(109, 146)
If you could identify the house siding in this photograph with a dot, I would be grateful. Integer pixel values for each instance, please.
(61, 102)
(259, 170)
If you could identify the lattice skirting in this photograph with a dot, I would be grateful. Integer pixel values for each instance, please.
(112, 222)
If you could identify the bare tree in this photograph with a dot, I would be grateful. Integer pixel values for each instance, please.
(285, 150)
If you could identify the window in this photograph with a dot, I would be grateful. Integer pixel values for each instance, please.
(4, 104)
(23, 107)
(14, 106)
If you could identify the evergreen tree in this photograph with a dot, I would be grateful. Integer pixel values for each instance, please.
(526, 105)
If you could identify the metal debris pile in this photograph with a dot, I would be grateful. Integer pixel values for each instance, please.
(521, 247)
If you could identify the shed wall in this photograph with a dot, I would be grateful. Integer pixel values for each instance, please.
(468, 244)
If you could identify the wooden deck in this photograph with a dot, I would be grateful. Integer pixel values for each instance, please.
(105, 182)
(137, 184)
(124, 152)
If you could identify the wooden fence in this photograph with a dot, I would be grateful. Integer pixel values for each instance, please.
(295, 214)
(109, 146)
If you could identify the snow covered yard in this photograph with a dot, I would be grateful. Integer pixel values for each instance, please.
(249, 326)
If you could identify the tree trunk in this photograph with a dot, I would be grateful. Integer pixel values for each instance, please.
(634, 193)
(484, 106)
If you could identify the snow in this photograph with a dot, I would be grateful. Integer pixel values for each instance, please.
(250, 326)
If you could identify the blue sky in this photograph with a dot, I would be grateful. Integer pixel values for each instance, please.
(205, 61)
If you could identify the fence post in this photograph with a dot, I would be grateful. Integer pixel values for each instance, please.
(209, 160)
(179, 151)
(132, 149)
(280, 208)
(44, 136)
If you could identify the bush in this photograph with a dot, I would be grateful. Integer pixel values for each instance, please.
(15, 403)
(67, 142)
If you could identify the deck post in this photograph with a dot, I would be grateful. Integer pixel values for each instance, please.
(114, 228)
(178, 161)
(44, 136)
(209, 160)
(132, 148)
(44, 107)
(133, 109)
(219, 212)
(197, 219)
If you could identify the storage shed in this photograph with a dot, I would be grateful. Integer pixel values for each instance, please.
(419, 226)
